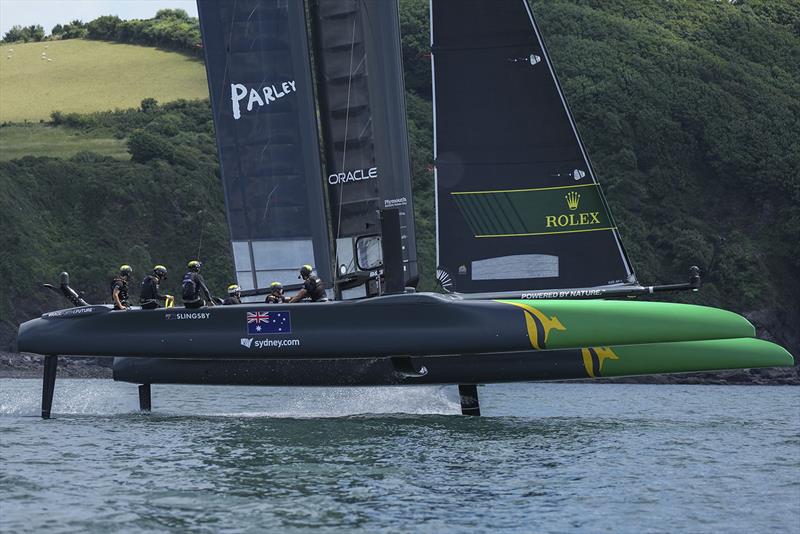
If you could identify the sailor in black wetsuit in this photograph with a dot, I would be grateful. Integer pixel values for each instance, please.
(119, 288)
(313, 288)
(195, 290)
(275, 295)
(234, 295)
(151, 292)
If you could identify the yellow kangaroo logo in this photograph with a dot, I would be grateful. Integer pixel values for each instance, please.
(602, 354)
(538, 324)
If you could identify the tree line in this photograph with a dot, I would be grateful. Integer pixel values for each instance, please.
(170, 28)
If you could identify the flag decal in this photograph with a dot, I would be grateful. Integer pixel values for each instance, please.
(269, 322)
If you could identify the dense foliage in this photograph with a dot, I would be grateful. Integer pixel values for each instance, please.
(35, 33)
(690, 110)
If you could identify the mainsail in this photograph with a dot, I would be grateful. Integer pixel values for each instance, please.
(363, 121)
(518, 204)
(262, 97)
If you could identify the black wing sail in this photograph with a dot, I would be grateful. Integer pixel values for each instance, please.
(262, 97)
(363, 121)
(518, 204)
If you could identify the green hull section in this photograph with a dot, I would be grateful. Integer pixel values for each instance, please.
(683, 357)
(562, 324)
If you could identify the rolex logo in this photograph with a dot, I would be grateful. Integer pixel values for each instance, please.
(573, 198)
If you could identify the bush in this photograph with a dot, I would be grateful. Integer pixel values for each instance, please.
(144, 146)
(149, 105)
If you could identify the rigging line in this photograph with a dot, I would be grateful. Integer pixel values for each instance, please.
(200, 241)
(346, 123)
(364, 129)
(266, 205)
(228, 51)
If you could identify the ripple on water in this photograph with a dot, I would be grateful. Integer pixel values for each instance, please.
(547, 458)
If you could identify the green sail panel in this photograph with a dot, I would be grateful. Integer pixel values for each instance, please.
(534, 212)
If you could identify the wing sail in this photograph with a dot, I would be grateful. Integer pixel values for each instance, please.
(518, 204)
(262, 97)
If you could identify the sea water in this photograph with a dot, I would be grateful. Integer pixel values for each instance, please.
(544, 458)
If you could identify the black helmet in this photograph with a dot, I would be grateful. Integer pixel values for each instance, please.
(125, 270)
(195, 265)
(305, 271)
(160, 271)
(234, 289)
(276, 287)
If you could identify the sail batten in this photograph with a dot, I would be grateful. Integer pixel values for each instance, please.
(513, 179)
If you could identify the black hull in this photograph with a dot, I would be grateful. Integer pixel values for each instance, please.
(464, 369)
(413, 325)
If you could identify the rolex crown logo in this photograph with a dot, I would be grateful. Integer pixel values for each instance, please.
(573, 198)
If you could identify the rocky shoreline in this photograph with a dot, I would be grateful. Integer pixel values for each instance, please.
(27, 365)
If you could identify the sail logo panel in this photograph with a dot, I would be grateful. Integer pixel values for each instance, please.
(262, 99)
(518, 205)
(533, 212)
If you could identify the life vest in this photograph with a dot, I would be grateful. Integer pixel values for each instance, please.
(190, 289)
(314, 287)
(122, 285)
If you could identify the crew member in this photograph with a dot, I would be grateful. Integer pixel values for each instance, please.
(195, 290)
(119, 288)
(275, 295)
(234, 295)
(151, 292)
(313, 288)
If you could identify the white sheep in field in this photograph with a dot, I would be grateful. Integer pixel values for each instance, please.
(48, 59)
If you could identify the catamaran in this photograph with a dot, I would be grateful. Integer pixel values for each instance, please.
(528, 253)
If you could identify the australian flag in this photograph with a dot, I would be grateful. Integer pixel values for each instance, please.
(263, 322)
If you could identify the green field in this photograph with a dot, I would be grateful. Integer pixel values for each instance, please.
(19, 140)
(33, 85)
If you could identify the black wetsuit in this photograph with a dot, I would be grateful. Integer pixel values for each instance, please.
(195, 291)
(121, 284)
(275, 299)
(315, 289)
(151, 293)
(232, 299)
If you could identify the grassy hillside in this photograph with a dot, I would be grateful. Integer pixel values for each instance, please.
(82, 76)
(35, 139)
